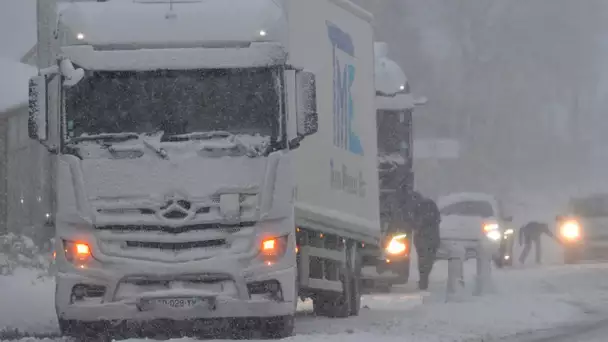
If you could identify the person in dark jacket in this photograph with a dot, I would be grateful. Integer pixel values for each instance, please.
(426, 238)
(531, 233)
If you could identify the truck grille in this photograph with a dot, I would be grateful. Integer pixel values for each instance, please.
(175, 230)
(176, 246)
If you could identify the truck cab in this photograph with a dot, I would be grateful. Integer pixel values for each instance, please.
(394, 108)
(171, 204)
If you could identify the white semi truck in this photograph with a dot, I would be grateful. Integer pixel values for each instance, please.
(394, 109)
(212, 159)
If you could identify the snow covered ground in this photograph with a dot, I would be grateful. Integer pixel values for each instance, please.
(526, 299)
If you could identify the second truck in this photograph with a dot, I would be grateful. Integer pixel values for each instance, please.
(394, 109)
(207, 167)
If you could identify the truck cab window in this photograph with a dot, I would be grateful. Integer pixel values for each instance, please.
(239, 101)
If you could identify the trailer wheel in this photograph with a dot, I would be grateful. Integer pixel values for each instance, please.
(571, 257)
(334, 305)
(278, 327)
(355, 295)
(339, 305)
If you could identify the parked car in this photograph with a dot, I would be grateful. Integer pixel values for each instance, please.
(467, 216)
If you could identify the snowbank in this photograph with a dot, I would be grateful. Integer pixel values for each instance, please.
(27, 302)
(14, 79)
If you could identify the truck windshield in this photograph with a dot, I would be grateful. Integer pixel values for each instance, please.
(395, 128)
(238, 101)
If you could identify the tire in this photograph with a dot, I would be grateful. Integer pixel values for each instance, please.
(498, 262)
(571, 257)
(278, 327)
(385, 288)
(82, 331)
(355, 294)
(334, 305)
(339, 305)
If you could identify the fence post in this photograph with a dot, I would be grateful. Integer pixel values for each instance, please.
(455, 282)
(483, 283)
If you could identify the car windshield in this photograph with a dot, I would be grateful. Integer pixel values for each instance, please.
(238, 101)
(469, 208)
(596, 206)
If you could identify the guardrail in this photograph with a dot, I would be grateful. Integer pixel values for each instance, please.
(454, 250)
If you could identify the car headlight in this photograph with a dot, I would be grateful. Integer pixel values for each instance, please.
(397, 245)
(494, 235)
(570, 230)
(492, 231)
(489, 227)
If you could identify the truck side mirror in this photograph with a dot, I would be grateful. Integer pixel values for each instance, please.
(38, 110)
(307, 116)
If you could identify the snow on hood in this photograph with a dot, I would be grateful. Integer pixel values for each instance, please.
(150, 178)
(145, 167)
(206, 144)
(14, 79)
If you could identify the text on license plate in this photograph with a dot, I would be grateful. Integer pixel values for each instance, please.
(177, 303)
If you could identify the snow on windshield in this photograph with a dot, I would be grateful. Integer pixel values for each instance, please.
(242, 101)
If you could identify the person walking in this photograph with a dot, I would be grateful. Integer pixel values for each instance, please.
(426, 237)
(531, 233)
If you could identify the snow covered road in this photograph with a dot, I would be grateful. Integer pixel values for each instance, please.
(526, 299)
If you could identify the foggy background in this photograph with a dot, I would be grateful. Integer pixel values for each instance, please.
(520, 85)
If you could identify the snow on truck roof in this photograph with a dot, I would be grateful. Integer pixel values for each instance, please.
(390, 80)
(14, 84)
(187, 24)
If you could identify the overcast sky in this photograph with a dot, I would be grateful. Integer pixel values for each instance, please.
(17, 27)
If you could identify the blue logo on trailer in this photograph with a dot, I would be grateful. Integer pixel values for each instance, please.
(344, 76)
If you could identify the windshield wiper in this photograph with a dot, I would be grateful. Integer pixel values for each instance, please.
(195, 136)
(157, 149)
(106, 137)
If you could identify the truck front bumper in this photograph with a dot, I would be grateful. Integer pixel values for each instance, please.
(98, 296)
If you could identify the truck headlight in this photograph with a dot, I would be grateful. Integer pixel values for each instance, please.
(272, 249)
(570, 230)
(397, 245)
(78, 253)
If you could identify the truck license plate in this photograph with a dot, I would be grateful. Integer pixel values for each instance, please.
(177, 303)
